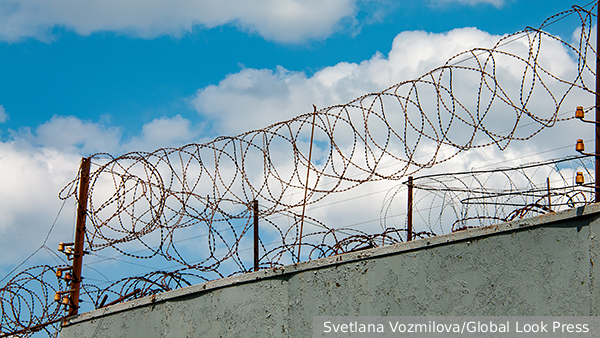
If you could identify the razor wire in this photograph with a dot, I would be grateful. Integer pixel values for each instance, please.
(28, 305)
(140, 201)
(152, 195)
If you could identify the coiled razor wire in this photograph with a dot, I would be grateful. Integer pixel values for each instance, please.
(142, 199)
(27, 303)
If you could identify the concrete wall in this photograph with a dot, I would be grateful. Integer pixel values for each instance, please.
(538, 266)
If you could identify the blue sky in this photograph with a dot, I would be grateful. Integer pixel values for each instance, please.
(121, 79)
(115, 76)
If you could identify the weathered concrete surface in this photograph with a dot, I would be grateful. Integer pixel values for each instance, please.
(538, 266)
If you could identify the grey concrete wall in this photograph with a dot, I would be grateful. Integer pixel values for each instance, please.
(538, 266)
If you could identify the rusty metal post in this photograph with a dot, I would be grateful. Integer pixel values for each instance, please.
(549, 196)
(255, 209)
(409, 210)
(312, 133)
(597, 158)
(84, 180)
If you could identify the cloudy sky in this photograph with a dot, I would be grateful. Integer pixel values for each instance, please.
(77, 78)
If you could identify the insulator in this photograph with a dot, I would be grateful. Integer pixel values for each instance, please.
(579, 178)
(579, 113)
(579, 147)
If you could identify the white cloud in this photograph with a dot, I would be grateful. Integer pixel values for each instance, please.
(31, 178)
(278, 20)
(164, 132)
(37, 165)
(289, 21)
(254, 98)
(3, 114)
(68, 133)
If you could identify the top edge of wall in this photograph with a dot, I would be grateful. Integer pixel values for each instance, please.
(420, 244)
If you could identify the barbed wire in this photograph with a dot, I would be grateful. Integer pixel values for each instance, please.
(154, 194)
(456, 201)
(140, 202)
(27, 303)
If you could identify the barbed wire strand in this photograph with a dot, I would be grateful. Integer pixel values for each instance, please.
(143, 199)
